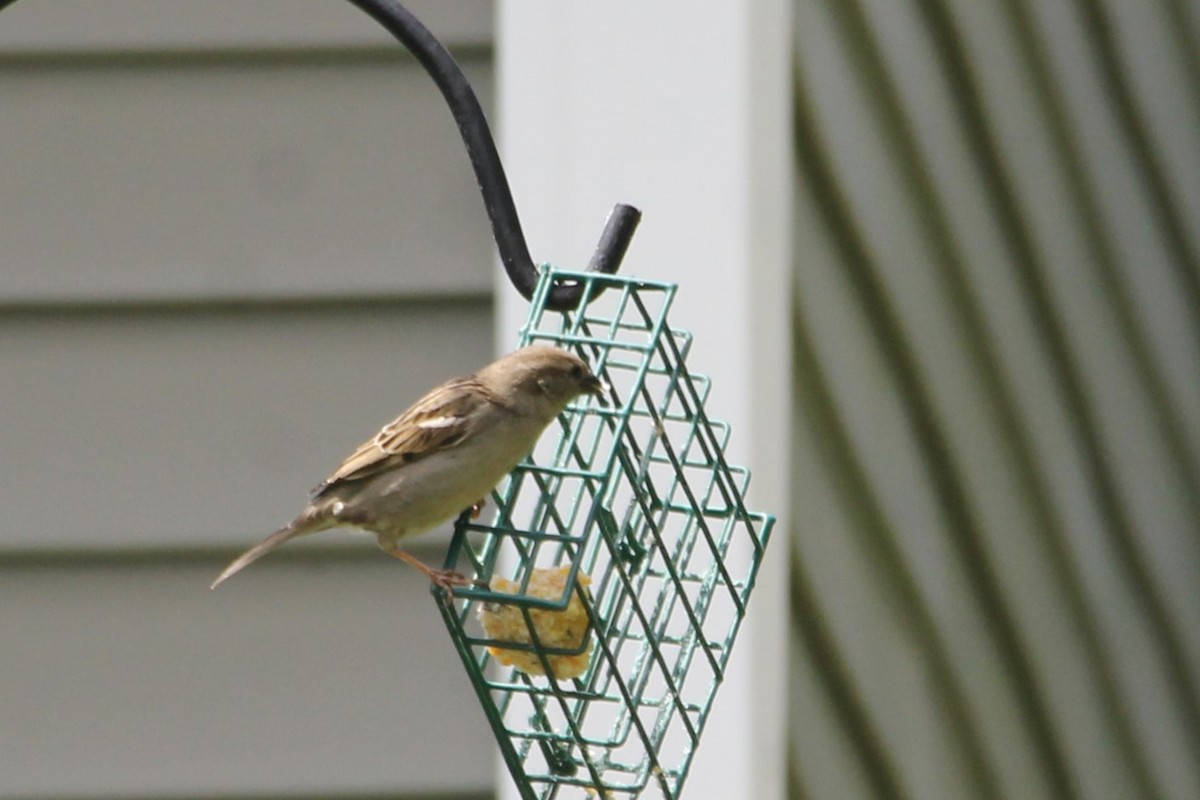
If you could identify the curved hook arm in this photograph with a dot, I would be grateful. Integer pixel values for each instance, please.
(497, 196)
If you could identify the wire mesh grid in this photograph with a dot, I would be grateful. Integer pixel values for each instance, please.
(619, 560)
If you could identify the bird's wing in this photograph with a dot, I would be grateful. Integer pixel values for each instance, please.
(438, 421)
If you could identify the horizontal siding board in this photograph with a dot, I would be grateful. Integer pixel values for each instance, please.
(255, 177)
(66, 25)
(147, 429)
(306, 678)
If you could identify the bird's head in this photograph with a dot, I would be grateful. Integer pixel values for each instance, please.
(544, 376)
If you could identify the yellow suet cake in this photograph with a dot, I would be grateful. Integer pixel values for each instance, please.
(565, 630)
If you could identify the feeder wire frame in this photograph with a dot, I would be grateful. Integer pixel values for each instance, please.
(638, 496)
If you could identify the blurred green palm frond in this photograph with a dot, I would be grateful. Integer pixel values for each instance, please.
(996, 321)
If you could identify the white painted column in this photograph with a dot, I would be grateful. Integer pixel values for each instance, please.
(680, 109)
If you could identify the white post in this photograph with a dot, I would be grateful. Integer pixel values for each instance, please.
(682, 110)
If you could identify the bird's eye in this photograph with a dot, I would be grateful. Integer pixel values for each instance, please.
(577, 372)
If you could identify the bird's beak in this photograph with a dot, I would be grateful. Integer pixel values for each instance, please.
(595, 387)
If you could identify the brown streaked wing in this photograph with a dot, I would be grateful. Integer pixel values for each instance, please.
(451, 407)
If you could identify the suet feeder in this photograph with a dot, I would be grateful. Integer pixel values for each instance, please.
(620, 559)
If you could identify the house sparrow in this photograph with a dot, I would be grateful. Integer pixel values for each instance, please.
(441, 456)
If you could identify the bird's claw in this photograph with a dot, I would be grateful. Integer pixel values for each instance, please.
(448, 579)
(445, 579)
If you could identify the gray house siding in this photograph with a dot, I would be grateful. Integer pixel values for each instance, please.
(237, 237)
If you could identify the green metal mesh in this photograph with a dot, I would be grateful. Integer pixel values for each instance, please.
(638, 496)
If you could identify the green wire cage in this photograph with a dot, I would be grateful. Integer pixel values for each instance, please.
(619, 562)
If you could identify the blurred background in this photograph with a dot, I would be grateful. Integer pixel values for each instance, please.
(942, 258)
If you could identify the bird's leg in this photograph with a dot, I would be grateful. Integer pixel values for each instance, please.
(444, 579)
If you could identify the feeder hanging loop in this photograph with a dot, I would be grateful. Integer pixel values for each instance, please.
(481, 148)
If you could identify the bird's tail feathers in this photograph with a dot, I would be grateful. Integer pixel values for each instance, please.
(303, 524)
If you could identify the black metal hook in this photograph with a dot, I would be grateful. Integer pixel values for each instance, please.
(489, 172)
(497, 197)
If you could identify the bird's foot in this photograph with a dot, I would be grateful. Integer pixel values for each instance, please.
(477, 509)
(445, 579)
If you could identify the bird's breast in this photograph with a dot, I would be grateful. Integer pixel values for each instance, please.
(422, 494)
